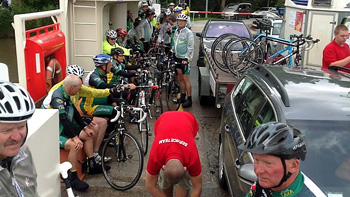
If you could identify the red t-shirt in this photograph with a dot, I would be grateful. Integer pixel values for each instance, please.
(334, 52)
(174, 139)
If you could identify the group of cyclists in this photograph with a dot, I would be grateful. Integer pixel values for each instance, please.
(87, 105)
(103, 88)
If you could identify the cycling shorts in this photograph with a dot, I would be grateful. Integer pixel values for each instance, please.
(184, 184)
(184, 67)
(63, 139)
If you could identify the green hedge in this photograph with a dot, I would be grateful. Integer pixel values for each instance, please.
(6, 18)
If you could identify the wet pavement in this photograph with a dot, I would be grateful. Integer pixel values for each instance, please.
(207, 143)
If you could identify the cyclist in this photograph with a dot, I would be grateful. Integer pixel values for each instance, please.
(98, 79)
(177, 10)
(183, 49)
(17, 170)
(277, 149)
(186, 11)
(75, 134)
(85, 92)
(171, 7)
(146, 29)
(142, 11)
(121, 34)
(119, 68)
(174, 158)
(132, 39)
(164, 33)
(129, 20)
(110, 42)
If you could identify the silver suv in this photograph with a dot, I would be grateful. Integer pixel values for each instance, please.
(315, 102)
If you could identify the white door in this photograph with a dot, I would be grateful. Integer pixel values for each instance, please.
(320, 26)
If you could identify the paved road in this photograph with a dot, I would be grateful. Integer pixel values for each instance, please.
(207, 143)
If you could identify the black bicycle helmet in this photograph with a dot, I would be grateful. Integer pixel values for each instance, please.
(16, 105)
(117, 51)
(278, 139)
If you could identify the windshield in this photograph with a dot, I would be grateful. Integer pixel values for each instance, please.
(215, 30)
(276, 29)
(327, 161)
(232, 7)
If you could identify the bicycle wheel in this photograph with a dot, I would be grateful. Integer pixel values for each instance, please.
(143, 129)
(126, 154)
(173, 94)
(157, 102)
(242, 55)
(217, 50)
(154, 54)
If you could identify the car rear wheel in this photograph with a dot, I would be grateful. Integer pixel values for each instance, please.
(222, 177)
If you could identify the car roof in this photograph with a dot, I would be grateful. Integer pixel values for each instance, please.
(306, 93)
(238, 3)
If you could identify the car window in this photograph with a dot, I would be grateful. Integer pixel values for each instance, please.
(232, 7)
(215, 30)
(248, 103)
(276, 29)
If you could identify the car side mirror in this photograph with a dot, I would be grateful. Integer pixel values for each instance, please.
(199, 35)
(246, 172)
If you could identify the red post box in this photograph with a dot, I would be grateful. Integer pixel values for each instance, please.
(40, 43)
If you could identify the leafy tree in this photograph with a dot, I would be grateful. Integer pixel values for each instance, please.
(6, 18)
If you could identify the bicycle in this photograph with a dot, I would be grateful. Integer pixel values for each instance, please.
(171, 84)
(125, 151)
(144, 99)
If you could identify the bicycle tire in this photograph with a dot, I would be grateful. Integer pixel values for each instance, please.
(255, 56)
(120, 177)
(157, 53)
(157, 99)
(237, 53)
(239, 62)
(173, 94)
(143, 128)
(217, 50)
(226, 47)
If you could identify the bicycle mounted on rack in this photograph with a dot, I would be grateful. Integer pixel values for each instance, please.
(239, 54)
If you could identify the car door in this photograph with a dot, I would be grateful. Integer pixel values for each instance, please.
(251, 108)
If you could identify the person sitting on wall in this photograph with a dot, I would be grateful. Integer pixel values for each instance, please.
(101, 123)
(53, 72)
(75, 134)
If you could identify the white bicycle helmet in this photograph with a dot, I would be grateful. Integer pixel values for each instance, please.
(111, 33)
(76, 70)
(16, 105)
(182, 17)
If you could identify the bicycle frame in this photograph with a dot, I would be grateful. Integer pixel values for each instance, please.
(283, 41)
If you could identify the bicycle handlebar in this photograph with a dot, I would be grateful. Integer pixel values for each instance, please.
(128, 108)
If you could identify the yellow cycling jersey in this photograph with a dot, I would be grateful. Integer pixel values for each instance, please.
(108, 47)
(84, 92)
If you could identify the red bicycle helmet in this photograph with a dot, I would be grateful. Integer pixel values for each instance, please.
(122, 32)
